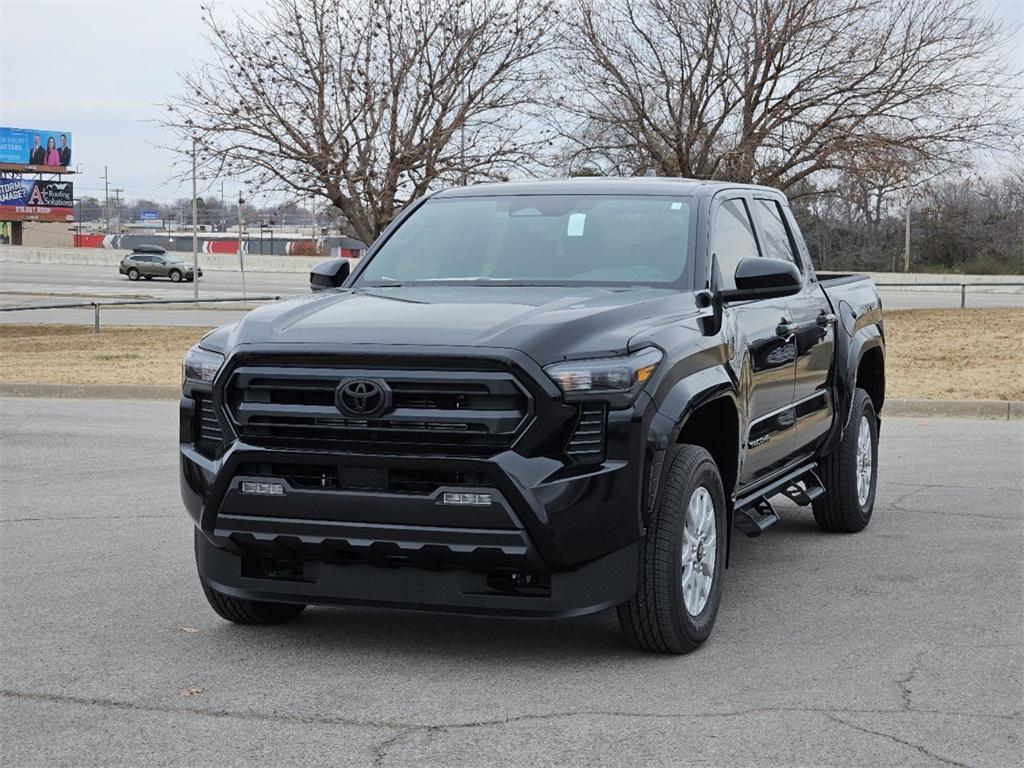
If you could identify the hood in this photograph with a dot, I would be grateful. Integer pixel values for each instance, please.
(547, 323)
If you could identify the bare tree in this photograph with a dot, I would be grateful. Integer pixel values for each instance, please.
(778, 91)
(367, 103)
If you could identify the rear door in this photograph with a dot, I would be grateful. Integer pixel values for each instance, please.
(143, 263)
(811, 319)
(763, 361)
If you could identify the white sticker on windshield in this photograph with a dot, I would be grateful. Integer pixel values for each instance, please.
(677, 206)
(576, 222)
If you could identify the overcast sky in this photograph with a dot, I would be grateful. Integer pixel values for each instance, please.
(98, 69)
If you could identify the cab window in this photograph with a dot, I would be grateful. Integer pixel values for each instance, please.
(733, 239)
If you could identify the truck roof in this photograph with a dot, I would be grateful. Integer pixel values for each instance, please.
(604, 185)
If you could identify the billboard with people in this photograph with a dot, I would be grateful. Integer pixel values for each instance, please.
(36, 200)
(42, 149)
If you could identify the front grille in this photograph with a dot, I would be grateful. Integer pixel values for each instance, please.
(454, 412)
(587, 442)
(209, 436)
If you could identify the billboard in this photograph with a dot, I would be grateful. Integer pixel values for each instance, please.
(36, 200)
(149, 215)
(41, 149)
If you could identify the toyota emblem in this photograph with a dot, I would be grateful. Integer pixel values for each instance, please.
(363, 398)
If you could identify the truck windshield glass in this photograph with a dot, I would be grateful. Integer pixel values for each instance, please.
(539, 239)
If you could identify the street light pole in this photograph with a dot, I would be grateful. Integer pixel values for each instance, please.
(241, 260)
(195, 225)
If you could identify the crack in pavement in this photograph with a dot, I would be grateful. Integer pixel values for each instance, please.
(62, 518)
(402, 730)
(392, 724)
(920, 748)
(904, 682)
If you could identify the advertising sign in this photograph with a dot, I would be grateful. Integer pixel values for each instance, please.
(148, 215)
(42, 149)
(36, 200)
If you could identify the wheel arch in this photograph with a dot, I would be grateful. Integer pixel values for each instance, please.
(693, 412)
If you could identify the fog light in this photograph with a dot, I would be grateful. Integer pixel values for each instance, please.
(468, 499)
(264, 489)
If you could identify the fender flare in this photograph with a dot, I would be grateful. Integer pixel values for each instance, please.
(848, 360)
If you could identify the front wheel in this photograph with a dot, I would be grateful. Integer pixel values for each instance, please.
(850, 473)
(682, 559)
(175, 276)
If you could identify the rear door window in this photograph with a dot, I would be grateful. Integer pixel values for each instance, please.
(777, 242)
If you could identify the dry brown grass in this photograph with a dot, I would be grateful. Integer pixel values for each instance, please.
(73, 354)
(971, 354)
(955, 354)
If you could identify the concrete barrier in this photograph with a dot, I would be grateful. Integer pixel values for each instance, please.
(102, 257)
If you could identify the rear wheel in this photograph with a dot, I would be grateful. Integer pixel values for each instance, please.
(850, 473)
(682, 559)
(133, 274)
(175, 276)
(242, 611)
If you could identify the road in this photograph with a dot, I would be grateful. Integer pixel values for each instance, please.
(22, 284)
(897, 646)
(29, 283)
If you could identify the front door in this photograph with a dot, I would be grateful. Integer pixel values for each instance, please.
(763, 356)
(812, 322)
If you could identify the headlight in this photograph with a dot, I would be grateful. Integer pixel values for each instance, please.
(200, 366)
(617, 379)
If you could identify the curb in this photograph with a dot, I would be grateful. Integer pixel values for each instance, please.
(91, 391)
(1001, 410)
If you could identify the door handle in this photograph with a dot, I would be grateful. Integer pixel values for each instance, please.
(826, 319)
(786, 328)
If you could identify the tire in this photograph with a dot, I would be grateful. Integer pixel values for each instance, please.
(241, 611)
(175, 276)
(658, 617)
(849, 496)
(133, 274)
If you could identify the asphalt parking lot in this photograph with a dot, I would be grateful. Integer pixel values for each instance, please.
(898, 646)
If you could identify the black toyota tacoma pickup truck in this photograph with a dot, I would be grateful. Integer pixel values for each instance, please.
(535, 399)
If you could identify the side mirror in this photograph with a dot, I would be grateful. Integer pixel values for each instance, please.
(763, 279)
(328, 274)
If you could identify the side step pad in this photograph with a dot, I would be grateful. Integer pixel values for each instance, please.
(803, 495)
(752, 520)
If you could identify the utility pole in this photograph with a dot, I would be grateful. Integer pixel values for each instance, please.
(314, 220)
(241, 260)
(906, 238)
(117, 198)
(106, 199)
(195, 228)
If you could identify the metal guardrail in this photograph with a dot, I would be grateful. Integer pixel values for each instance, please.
(124, 302)
(962, 286)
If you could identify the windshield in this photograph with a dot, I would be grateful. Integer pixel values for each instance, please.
(538, 239)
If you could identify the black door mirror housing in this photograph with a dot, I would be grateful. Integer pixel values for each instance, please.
(328, 274)
(759, 278)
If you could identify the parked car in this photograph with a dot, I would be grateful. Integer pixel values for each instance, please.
(535, 399)
(152, 261)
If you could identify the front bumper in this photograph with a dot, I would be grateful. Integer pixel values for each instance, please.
(604, 583)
